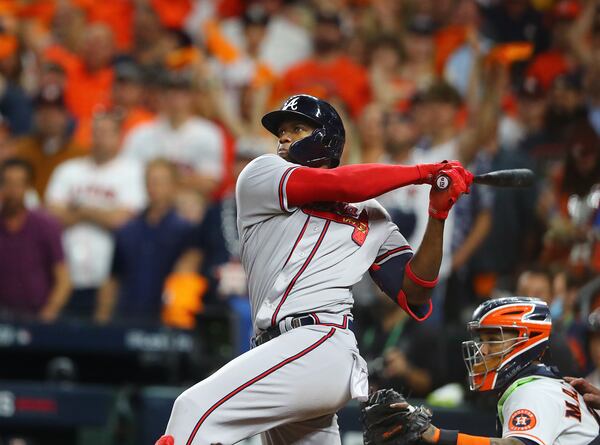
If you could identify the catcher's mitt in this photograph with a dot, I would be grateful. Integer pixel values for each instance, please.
(394, 426)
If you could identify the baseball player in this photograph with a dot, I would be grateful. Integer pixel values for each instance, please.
(536, 405)
(308, 231)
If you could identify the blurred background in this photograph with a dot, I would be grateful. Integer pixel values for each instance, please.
(123, 127)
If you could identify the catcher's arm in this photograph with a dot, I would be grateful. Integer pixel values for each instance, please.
(437, 436)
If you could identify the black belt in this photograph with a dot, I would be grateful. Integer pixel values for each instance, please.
(274, 331)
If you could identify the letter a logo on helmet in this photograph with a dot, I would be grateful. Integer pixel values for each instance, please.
(326, 143)
(291, 104)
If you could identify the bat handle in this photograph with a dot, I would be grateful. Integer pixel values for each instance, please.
(442, 181)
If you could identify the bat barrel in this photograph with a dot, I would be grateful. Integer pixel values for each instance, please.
(517, 177)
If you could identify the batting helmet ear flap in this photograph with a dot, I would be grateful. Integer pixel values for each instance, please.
(310, 150)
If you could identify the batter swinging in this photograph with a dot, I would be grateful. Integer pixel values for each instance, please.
(309, 230)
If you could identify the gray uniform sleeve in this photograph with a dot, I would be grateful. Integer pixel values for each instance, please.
(260, 190)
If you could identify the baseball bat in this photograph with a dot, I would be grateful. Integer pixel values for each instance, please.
(516, 177)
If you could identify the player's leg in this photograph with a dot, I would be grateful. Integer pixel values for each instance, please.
(302, 374)
(323, 430)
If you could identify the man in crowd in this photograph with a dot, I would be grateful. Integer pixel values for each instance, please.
(92, 196)
(148, 248)
(194, 144)
(34, 280)
(51, 142)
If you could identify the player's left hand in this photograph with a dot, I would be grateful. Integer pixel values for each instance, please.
(388, 418)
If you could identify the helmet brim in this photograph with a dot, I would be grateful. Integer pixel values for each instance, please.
(273, 120)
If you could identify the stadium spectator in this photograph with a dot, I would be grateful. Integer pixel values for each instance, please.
(509, 247)
(285, 43)
(34, 280)
(400, 136)
(68, 25)
(535, 139)
(15, 105)
(93, 196)
(566, 310)
(515, 21)
(461, 27)
(565, 103)
(149, 44)
(372, 133)
(559, 58)
(566, 205)
(329, 73)
(537, 282)
(390, 88)
(127, 100)
(418, 68)
(128, 96)
(89, 75)
(51, 76)
(148, 248)
(194, 144)
(51, 141)
(385, 17)
(464, 43)
(235, 91)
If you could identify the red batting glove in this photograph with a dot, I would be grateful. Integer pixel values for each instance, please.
(466, 174)
(428, 172)
(441, 201)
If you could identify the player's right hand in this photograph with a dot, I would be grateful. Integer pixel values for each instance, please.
(441, 201)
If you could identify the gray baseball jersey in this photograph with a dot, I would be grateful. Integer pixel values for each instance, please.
(301, 260)
(298, 261)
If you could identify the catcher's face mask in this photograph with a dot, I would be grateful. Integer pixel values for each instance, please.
(508, 334)
(487, 351)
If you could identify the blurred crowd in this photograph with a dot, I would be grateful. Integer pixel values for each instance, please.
(124, 124)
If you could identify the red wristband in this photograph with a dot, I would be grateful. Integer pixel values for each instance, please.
(421, 282)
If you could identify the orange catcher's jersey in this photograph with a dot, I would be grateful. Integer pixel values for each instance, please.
(303, 260)
(546, 411)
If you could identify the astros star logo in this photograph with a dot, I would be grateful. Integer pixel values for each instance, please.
(521, 420)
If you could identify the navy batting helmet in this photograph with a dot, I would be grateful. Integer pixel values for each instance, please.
(325, 144)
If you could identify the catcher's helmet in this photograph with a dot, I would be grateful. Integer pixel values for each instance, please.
(505, 355)
(325, 144)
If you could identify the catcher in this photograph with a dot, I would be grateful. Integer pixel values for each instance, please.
(536, 405)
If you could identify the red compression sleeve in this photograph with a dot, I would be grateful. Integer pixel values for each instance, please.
(350, 183)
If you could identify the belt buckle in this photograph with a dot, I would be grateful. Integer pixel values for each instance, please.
(295, 323)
